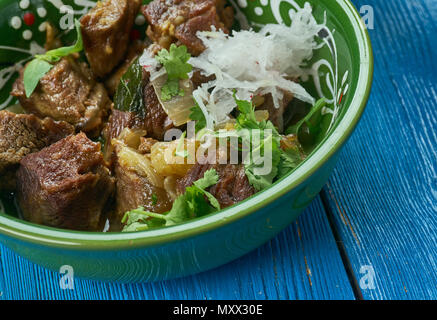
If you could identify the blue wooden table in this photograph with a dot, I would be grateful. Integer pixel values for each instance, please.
(370, 234)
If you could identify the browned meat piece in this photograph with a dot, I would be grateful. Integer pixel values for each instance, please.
(22, 134)
(186, 32)
(276, 115)
(225, 12)
(198, 78)
(68, 93)
(232, 187)
(156, 122)
(177, 21)
(65, 185)
(146, 145)
(135, 50)
(118, 121)
(135, 190)
(106, 30)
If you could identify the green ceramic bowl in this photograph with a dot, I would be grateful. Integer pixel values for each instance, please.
(344, 78)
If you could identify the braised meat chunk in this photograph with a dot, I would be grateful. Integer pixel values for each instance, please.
(177, 21)
(65, 185)
(137, 184)
(156, 121)
(232, 187)
(68, 93)
(118, 121)
(22, 134)
(105, 30)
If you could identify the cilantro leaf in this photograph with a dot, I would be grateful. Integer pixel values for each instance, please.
(190, 205)
(268, 146)
(295, 129)
(178, 213)
(171, 89)
(38, 67)
(176, 64)
(290, 159)
(212, 200)
(139, 220)
(210, 178)
(197, 205)
(198, 116)
(246, 119)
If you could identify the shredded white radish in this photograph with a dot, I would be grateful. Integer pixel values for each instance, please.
(254, 63)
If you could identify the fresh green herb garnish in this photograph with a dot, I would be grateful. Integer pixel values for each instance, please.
(260, 182)
(41, 64)
(246, 119)
(290, 159)
(129, 94)
(136, 220)
(282, 160)
(190, 205)
(171, 89)
(198, 116)
(295, 129)
(176, 64)
(210, 178)
(269, 144)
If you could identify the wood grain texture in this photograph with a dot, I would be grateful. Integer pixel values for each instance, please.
(302, 262)
(383, 193)
(2, 281)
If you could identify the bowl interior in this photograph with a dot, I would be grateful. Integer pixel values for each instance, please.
(343, 76)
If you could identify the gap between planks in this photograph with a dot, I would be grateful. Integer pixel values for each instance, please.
(343, 254)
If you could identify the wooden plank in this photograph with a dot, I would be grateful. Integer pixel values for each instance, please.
(2, 282)
(302, 262)
(383, 193)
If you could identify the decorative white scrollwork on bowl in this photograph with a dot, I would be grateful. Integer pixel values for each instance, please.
(336, 85)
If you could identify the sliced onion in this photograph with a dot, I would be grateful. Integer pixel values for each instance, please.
(132, 137)
(139, 163)
(178, 108)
